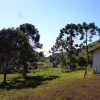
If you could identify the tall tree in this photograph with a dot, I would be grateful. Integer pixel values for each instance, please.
(87, 32)
(33, 37)
(18, 44)
(65, 42)
(73, 34)
(10, 40)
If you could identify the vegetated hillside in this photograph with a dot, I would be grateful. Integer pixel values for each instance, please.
(91, 47)
(94, 45)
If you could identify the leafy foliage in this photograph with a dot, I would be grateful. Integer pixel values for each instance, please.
(17, 47)
(72, 39)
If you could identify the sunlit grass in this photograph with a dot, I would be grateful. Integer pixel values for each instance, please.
(52, 84)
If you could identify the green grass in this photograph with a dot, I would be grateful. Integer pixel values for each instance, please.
(51, 84)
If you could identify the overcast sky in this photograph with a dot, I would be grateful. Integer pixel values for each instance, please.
(48, 16)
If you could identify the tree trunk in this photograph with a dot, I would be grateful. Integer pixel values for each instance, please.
(70, 62)
(5, 75)
(5, 70)
(70, 58)
(25, 70)
(85, 73)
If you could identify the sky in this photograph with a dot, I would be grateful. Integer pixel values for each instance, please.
(48, 16)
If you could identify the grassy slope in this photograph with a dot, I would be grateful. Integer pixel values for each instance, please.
(52, 85)
(94, 45)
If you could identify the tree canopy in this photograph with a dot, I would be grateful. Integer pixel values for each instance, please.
(72, 38)
(17, 46)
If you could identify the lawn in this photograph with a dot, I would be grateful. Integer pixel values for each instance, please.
(51, 84)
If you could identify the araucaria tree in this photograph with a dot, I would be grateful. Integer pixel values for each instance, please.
(18, 45)
(33, 38)
(72, 38)
(87, 32)
(66, 43)
(10, 40)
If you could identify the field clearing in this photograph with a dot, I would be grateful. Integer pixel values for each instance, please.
(52, 84)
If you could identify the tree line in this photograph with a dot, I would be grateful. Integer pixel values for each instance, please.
(72, 39)
(18, 47)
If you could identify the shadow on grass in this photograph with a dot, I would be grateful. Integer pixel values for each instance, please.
(66, 71)
(28, 82)
(81, 68)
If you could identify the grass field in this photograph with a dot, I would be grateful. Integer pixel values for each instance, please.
(51, 84)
